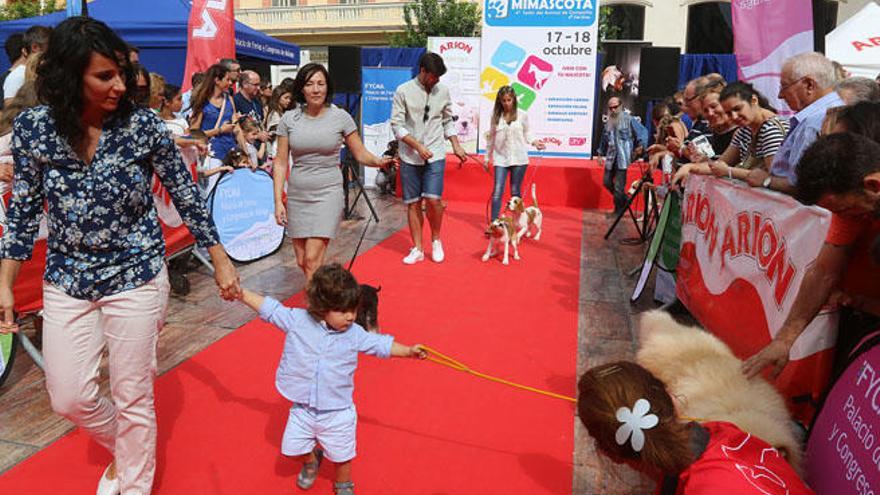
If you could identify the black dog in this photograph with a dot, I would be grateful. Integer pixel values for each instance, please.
(368, 311)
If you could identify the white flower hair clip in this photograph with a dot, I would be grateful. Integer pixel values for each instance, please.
(634, 421)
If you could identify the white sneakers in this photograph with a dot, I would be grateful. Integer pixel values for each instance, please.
(107, 486)
(415, 254)
(437, 251)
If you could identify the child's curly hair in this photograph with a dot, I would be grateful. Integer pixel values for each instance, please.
(332, 288)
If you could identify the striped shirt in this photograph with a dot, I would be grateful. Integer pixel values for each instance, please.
(770, 137)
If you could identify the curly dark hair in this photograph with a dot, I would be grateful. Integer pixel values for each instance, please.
(60, 73)
(332, 288)
(303, 76)
(836, 164)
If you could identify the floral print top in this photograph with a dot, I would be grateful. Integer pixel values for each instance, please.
(104, 232)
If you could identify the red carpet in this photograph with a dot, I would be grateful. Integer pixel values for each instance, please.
(424, 429)
(561, 182)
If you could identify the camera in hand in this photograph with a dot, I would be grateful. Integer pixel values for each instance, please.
(703, 146)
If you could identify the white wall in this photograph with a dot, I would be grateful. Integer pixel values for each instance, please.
(666, 23)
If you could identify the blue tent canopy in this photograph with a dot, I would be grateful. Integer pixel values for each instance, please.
(159, 28)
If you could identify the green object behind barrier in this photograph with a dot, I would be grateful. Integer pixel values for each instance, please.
(7, 350)
(671, 210)
(670, 247)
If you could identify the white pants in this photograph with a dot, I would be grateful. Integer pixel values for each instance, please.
(75, 332)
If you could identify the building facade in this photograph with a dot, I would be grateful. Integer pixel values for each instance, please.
(704, 26)
(313, 23)
(695, 26)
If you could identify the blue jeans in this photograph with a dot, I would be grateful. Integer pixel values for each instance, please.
(517, 174)
(615, 182)
(422, 181)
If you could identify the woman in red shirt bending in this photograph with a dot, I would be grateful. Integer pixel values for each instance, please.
(632, 418)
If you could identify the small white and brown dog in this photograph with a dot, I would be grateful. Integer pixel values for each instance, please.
(502, 231)
(526, 217)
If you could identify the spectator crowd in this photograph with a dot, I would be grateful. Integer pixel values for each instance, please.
(827, 153)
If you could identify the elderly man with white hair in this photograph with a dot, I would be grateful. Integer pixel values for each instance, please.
(807, 86)
(853, 90)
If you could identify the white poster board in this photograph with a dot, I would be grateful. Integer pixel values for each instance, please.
(546, 51)
(462, 59)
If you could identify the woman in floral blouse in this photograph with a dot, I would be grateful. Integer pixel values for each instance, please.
(89, 154)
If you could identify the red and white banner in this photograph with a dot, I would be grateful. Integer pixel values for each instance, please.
(744, 253)
(765, 33)
(177, 235)
(28, 288)
(210, 36)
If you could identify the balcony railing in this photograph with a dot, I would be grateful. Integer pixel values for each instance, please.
(366, 15)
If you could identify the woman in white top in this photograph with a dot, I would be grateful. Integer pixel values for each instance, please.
(508, 146)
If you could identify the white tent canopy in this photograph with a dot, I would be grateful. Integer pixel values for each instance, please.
(856, 42)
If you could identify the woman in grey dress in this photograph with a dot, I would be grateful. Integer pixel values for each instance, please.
(312, 135)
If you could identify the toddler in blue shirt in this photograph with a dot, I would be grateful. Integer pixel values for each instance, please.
(316, 371)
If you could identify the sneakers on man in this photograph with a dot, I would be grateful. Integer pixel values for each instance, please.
(437, 251)
(415, 255)
(106, 486)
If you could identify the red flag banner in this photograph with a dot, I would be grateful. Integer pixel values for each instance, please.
(744, 253)
(210, 36)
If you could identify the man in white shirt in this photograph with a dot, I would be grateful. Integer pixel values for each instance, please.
(17, 55)
(421, 117)
(36, 39)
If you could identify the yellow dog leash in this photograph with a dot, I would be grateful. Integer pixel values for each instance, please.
(457, 365)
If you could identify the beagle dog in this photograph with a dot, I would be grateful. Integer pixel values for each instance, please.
(502, 231)
(526, 217)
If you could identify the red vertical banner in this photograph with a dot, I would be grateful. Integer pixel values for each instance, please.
(210, 36)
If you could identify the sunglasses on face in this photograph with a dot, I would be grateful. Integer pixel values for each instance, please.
(613, 107)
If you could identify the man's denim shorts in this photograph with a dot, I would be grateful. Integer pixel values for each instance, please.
(422, 181)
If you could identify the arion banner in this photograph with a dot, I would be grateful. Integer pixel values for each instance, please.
(765, 33)
(546, 51)
(462, 59)
(744, 253)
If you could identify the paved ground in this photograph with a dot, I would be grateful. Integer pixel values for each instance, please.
(200, 318)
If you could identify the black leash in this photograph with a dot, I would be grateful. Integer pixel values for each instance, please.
(360, 241)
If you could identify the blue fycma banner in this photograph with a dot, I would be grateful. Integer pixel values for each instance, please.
(378, 85)
(243, 207)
